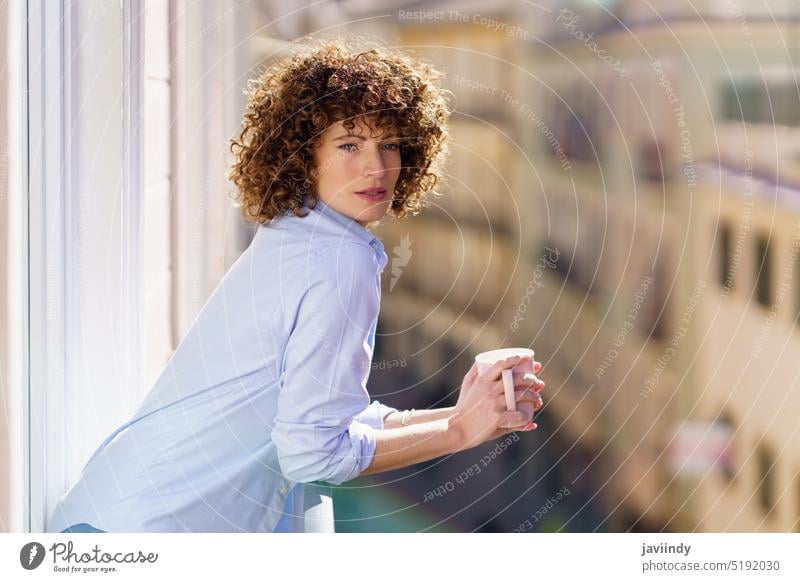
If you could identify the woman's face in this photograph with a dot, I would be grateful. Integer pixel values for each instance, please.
(356, 172)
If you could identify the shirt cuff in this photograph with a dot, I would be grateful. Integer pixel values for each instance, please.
(362, 441)
(374, 414)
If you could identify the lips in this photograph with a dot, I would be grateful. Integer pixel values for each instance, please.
(372, 194)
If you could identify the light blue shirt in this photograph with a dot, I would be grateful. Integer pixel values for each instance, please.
(266, 392)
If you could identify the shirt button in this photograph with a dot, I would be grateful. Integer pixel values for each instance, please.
(284, 489)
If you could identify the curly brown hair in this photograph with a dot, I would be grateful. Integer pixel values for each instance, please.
(294, 101)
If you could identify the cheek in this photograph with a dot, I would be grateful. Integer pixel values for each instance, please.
(339, 174)
(396, 164)
(348, 171)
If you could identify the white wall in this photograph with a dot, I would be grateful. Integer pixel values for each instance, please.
(211, 65)
(11, 268)
(158, 187)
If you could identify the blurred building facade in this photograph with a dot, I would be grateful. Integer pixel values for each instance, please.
(622, 197)
(679, 218)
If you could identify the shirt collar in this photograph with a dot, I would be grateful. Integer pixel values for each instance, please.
(353, 227)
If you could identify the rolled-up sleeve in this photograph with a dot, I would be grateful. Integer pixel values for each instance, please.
(323, 429)
(375, 414)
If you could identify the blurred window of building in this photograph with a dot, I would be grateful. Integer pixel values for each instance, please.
(763, 271)
(766, 485)
(724, 250)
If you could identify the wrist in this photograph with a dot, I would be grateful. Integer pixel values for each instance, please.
(455, 432)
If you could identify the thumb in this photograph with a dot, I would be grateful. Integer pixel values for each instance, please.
(513, 418)
(470, 376)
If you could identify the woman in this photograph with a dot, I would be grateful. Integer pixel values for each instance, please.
(265, 398)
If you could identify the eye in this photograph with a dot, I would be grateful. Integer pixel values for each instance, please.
(348, 147)
(392, 146)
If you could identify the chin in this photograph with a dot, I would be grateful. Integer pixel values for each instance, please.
(372, 215)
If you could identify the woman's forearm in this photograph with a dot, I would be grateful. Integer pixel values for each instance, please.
(393, 419)
(400, 447)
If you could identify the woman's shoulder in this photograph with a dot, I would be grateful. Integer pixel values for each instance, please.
(303, 242)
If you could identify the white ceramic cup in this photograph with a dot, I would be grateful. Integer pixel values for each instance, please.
(485, 360)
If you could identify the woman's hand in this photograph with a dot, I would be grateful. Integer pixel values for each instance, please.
(470, 377)
(529, 400)
(480, 413)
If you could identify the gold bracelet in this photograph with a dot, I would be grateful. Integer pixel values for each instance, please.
(406, 416)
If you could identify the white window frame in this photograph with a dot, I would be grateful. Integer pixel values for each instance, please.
(57, 433)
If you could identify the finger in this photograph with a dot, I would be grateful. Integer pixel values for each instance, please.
(525, 368)
(537, 366)
(538, 384)
(513, 418)
(529, 396)
(498, 389)
(528, 408)
(529, 380)
(521, 394)
(529, 404)
(495, 372)
(526, 411)
(534, 387)
(495, 389)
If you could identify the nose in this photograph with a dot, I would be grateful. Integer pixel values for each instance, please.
(375, 167)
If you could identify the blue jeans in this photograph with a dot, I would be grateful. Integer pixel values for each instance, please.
(82, 528)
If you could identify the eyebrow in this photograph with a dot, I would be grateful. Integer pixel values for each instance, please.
(362, 138)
